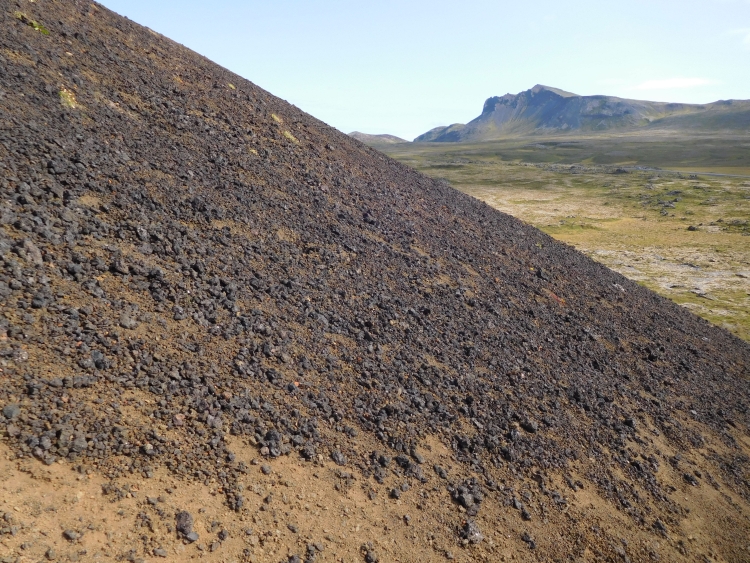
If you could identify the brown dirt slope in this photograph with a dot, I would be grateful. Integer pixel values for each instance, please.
(228, 331)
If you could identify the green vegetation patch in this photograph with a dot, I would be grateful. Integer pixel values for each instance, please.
(68, 99)
(695, 153)
(31, 23)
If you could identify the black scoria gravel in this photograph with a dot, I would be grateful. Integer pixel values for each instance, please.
(179, 244)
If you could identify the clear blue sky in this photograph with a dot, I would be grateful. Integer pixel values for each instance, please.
(403, 67)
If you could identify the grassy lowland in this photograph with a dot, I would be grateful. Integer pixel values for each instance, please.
(672, 213)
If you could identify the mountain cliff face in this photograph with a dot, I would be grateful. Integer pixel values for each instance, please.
(545, 110)
(264, 341)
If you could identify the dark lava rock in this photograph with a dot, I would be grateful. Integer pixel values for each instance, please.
(338, 458)
(530, 426)
(184, 523)
(691, 479)
(660, 527)
(71, 535)
(470, 532)
(468, 494)
(529, 539)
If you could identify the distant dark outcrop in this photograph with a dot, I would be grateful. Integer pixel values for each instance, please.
(545, 110)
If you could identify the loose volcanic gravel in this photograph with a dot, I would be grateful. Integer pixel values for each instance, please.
(186, 257)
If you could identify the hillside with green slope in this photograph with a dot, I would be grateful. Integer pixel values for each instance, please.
(542, 110)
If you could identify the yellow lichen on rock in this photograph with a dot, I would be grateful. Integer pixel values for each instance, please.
(68, 98)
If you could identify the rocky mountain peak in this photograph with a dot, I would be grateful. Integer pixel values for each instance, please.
(547, 110)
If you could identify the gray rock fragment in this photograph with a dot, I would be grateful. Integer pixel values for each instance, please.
(11, 411)
(184, 524)
(128, 321)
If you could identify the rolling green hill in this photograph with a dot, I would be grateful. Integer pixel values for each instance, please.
(376, 139)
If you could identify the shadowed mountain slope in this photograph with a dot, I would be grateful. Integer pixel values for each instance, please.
(545, 110)
(204, 286)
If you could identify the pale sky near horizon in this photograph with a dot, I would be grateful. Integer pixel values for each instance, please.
(404, 67)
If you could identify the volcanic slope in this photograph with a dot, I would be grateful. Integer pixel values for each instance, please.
(230, 331)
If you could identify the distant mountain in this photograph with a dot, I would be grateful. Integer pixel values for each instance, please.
(545, 110)
(376, 139)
